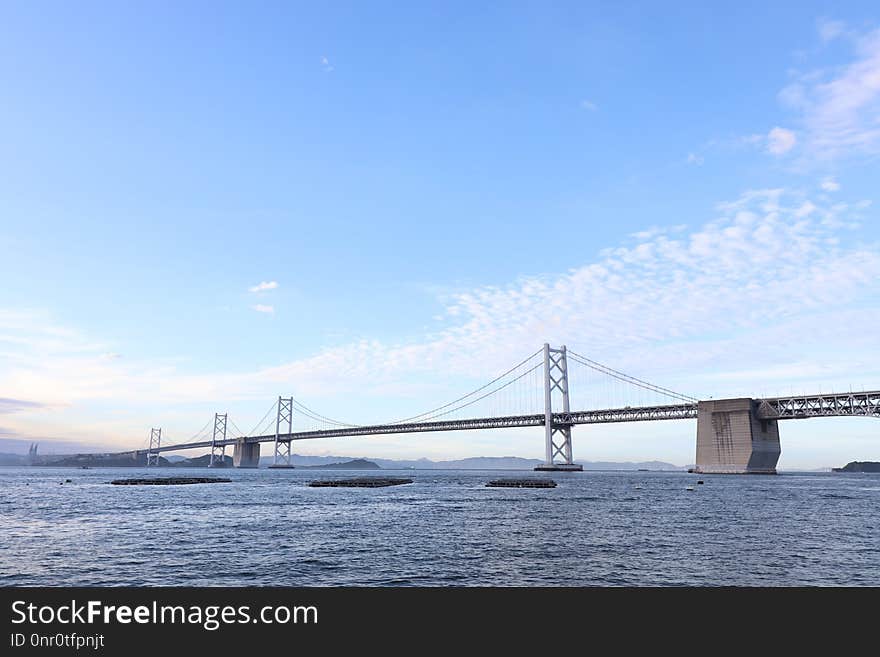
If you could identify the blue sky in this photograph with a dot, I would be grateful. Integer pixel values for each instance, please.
(686, 193)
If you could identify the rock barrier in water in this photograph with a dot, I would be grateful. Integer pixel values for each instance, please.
(360, 482)
(170, 481)
(522, 483)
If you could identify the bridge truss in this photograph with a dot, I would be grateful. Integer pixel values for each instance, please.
(542, 395)
(604, 416)
(855, 404)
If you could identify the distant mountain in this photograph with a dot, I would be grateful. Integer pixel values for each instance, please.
(126, 461)
(474, 463)
(517, 463)
(859, 466)
(98, 461)
(306, 461)
(355, 464)
(13, 459)
(336, 462)
(201, 462)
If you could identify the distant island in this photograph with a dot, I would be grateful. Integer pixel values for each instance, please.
(175, 461)
(318, 462)
(354, 464)
(96, 461)
(859, 466)
(473, 463)
(128, 461)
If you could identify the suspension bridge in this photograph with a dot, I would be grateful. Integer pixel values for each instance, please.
(733, 435)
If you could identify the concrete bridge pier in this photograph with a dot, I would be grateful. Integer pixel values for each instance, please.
(733, 439)
(246, 455)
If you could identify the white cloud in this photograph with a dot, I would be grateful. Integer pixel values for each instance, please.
(839, 108)
(16, 405)
(264, 286)
(325, 64)
(260, 308)
(773, 277)
(829, 185)
(672, 285)
(694, 158)
(589, 105)
(829, 29)
(652, 232)
(805, 210)
(780, 141)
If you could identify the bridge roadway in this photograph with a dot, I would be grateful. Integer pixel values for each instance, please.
(776, 408)
(628, 414)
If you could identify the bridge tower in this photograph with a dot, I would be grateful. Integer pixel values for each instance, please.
(155, 443)
(283, 425)
(218, 452)
(557, 434)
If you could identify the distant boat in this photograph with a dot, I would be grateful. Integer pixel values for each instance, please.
(644, 470)
(689, 488)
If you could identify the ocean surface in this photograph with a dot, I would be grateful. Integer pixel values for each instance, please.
(268, 527)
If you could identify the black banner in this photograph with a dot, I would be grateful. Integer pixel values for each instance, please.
(115, 621)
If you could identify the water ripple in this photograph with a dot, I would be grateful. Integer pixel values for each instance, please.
(446, 529)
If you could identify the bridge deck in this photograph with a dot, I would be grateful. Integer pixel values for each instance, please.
(793, 408)
(628, 414)
(771, 408)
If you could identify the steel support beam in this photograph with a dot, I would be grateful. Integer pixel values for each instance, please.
(865, 404)
(612, 415)
(557, 433)
(155, 447)
(832, 405)
(282, 447)
(218, 442)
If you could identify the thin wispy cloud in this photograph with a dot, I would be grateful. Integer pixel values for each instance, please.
(830, 29)
(16, 405)
(670, 304)
(829, 185)
(264, 286)
(774, 286)
(839, 107)
(780, 141)
(656, 231)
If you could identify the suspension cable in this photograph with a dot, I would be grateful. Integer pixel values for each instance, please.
(262, 431)
(470, 394)
(260, 423)
(317, 416)
(167, 443)
(235, 426)
(491, 392)
(314, 415)
(599, 367)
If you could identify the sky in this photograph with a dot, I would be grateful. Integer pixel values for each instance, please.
(376, 208)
